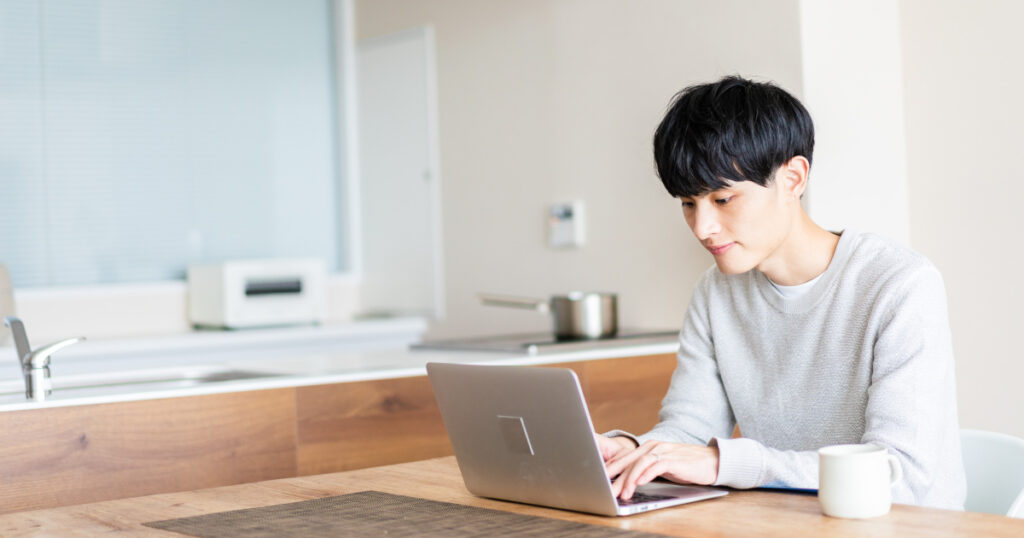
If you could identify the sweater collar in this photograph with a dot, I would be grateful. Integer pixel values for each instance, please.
(825, 282)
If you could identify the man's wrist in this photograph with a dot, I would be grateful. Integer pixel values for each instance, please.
(626, 442)
(632, 441)
(715, 454)
(740, 462)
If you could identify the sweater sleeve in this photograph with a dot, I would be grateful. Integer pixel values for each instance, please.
(696, 408)
(911, 407)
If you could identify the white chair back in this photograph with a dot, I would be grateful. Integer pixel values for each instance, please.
(994, 464)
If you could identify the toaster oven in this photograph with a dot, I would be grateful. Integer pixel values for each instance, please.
(257, 293)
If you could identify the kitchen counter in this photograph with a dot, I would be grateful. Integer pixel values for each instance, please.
(318, 412)
(97, 379)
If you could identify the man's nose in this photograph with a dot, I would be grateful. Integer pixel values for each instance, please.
(705, 222)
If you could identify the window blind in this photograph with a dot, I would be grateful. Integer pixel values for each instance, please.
(139, 137)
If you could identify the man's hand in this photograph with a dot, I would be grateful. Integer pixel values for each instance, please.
(685, 464)
(613, 446)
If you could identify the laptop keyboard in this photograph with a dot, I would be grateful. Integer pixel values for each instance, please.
(640, 498)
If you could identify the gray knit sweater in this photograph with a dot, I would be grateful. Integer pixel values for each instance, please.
(863, 357)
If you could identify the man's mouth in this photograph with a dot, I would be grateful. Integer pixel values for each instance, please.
(719, 249)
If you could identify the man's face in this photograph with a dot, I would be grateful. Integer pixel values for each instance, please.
(743, 224)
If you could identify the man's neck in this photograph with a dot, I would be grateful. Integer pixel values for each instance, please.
(803, 255)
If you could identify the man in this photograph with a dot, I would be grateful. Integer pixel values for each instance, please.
(799, 336)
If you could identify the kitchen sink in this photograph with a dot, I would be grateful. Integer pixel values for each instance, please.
(133, 381)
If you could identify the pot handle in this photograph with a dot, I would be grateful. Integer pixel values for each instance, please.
(540, 305)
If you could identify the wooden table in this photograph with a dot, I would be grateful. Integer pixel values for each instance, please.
(741, 513)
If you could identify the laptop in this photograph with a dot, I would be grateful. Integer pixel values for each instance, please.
(523, 434)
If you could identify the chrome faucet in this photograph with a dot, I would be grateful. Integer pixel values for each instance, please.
(35, 365)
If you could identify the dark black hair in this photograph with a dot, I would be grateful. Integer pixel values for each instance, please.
(731, 130)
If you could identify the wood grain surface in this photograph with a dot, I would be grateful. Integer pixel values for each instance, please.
(70, 455)
(741, 513)
(626, 393)
(362, 424)
(356, 425)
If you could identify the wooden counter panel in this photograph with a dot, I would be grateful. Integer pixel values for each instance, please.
(368, 423)
(626, 393)
(70, 455)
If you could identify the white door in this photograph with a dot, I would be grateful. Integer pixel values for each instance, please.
(399, 180)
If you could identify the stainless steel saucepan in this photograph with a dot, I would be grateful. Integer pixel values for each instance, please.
(576, 315)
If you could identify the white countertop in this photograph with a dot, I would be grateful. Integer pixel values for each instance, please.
(284, 368)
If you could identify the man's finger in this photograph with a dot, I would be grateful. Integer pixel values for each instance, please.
(616, 486)
(654, 471)
(617, 464)
(629, 478)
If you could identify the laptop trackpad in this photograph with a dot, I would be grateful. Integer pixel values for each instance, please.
(674, 490)
(513, 430)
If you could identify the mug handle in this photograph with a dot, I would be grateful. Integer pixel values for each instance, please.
(896, 470)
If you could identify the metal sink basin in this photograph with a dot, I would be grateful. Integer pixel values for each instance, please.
(64, 387)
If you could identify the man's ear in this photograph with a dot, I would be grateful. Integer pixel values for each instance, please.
(794, 176)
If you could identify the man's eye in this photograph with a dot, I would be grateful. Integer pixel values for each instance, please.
(687, 205)
(723, 201)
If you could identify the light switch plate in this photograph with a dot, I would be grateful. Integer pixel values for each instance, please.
(566, 225)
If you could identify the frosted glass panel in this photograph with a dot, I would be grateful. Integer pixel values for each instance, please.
(138, 137)
(22, 193)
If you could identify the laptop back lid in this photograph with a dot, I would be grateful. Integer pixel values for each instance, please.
(522, 434)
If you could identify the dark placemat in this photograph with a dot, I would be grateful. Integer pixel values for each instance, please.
(373, 513)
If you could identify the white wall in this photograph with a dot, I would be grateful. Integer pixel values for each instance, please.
(917, 109)
(964, 112)
(544, 101)
(853, 87)
(917, 113)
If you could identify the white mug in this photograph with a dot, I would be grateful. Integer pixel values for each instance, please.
(855, 481)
